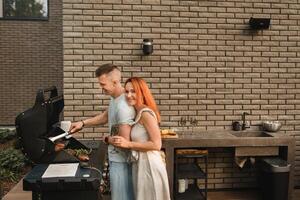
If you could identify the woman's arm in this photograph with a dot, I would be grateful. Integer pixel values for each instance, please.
(152, 128)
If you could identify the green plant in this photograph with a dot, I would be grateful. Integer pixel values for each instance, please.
(11, 163)
(6, 135)
(7, 174)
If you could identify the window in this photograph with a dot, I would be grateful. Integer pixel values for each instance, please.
(1, 8)
(24, 9)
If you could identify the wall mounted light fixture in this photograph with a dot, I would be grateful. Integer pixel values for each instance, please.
(259, 23)
(147, 46)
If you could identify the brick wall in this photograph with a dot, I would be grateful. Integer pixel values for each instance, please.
(31, 57)
(223, 173)
(207, 63)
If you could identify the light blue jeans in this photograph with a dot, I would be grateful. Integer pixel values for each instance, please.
(121, 181)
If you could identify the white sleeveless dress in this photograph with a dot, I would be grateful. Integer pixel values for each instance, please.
(150, 179)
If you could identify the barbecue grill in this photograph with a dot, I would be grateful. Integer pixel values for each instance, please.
(35, 128)
(37, 124)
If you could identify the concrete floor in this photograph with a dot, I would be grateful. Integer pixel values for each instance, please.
(17, 193)
(226, 195)
(233, 195)
(242, 195)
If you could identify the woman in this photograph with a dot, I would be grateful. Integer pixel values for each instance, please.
(150, 180)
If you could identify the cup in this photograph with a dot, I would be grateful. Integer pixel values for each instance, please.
(65, 125)
(236, 126)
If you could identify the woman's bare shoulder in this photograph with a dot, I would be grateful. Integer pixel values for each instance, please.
(148, 115)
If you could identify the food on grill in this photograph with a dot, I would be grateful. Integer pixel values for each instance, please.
(81, 154)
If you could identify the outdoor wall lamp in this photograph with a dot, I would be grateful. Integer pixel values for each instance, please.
(147, 46)
(259, 23)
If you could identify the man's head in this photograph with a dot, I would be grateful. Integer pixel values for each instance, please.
(109, 78)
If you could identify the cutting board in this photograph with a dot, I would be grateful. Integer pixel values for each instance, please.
(169, 136)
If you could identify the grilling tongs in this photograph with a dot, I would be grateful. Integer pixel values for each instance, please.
(67, 135)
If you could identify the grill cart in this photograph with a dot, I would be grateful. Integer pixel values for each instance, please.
(83, 185)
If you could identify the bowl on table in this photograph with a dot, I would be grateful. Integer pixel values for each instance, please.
(271, 126)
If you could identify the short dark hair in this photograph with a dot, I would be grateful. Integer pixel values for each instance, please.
(105, 69)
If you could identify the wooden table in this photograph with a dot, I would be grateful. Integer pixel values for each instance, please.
(204, 139)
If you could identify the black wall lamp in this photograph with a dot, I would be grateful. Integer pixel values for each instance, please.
(259, 23)
(147, 46)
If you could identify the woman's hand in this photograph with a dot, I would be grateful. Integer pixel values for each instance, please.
(119, 141)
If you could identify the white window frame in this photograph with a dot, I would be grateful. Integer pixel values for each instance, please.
(1, 8)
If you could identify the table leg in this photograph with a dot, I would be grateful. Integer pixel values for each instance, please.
(170, 168)
(291, 160)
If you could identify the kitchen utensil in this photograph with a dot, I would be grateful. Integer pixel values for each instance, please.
(271, 126)
(236, 126)
(53, 139)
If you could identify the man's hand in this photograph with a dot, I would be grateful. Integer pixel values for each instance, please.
(119, 141)
(75, 127)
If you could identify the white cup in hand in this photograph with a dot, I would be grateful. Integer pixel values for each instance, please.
(65, 125)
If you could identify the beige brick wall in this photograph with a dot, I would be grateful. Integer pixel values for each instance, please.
(31, 58)
(223, 173)
(207, 63)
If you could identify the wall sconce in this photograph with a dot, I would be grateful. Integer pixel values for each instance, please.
(259, 23)
(147, 46)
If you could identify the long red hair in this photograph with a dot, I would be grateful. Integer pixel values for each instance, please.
(144, 96)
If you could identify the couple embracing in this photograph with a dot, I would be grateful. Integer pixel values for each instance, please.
(137, 170)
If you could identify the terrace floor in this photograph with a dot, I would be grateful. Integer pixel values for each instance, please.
(17, 193)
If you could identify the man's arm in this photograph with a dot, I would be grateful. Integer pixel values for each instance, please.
(97, 120)
(124, 131)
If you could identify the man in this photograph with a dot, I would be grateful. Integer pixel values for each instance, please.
(119, 116)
